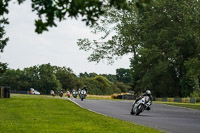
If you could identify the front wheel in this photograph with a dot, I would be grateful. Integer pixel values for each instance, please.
(132, 112)
(139, 109)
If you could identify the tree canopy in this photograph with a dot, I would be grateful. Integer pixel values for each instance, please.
(164, 40)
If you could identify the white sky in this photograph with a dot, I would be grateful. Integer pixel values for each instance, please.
(57, 46)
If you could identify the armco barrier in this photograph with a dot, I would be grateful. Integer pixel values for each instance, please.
(128, 97)
(164, 99)
(186, 100)
(170, 99)
(159, 99)
(193, 100)
(178, 100)
(181, 100)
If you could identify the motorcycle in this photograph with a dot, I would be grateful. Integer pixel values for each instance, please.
(68, 94)
(83, 94)
(140, 105)
(60, 93)
(74, 94)
(52, 93)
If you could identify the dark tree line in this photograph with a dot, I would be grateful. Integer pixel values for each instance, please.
(46, 77)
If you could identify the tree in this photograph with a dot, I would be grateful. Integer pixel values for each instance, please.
(9, 78)
(123, 87)
(67, 78)
(121, 43)
(15, 79)
(100, 85)
(110, 77)
(87, 75)
(123, 75)
(169, 32)
(3, 67)
(193, 72)
(163, 37)
(47, 79)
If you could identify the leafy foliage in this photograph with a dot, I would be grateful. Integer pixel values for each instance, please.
(101, 86)
(164, 40)
(123, 75)
(3, 22)
(123, 87)
(110, 77)
(46, 77)
(3, 67)
(67, 78)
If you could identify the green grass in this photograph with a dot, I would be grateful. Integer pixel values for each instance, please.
(44, 114)
(98, 97)
(186, 105)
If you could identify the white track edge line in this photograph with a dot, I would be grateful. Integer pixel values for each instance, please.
(85, 108)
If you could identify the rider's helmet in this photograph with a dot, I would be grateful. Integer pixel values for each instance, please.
(148, 92)
(84, 87)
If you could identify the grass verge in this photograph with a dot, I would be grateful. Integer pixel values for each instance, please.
(98, 97)
(186, 105)
(41, 114)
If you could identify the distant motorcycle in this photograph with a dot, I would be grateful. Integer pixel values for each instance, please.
(140, 105)
(74, 94)
(83, 94)
(61, 93)
(52, 93)
(68, 94)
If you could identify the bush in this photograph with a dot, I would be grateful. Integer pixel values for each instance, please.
(198, 99)
(100, 85)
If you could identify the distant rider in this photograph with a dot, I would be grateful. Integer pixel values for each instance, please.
(61, 93)
(68, 94)
(84, 90)
(52, 93)
(74, 93)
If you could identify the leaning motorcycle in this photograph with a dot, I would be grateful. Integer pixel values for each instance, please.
(140, 105)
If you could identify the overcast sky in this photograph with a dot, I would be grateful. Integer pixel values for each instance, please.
(58, 46)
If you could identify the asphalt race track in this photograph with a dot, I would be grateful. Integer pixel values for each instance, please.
(167, 118)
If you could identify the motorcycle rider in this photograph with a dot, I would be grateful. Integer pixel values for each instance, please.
(68, 94)
(74, 93)
(147, 93)
(61, 93)
(52, 93)
(83, 93)
(84, 88)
